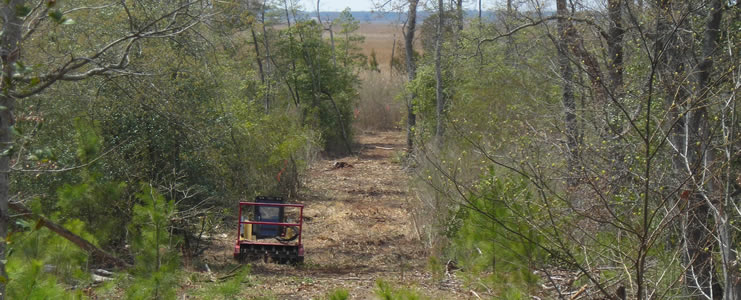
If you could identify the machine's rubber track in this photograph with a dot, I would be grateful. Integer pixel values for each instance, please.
(270, 253)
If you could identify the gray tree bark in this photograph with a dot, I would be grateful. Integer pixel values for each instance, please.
(699, 277)
(411, 26)
(459, 12)
(331, 43)
(260, 70)
(391, 61)
(567, 93)
(615, 46)
(9, 53)
(268, 58)
(440, 100)
(331, 33)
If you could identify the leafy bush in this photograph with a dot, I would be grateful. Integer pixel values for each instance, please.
(338, 294)
(91, 202)
(385, 291)
(42, 264)
(156, 267)
(30, 281)
(494, 239)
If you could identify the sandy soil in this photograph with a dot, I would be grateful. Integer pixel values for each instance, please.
(358, 229)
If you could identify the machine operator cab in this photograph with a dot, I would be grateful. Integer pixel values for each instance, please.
(267, 231)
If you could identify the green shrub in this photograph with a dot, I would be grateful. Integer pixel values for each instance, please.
(29, 281)
(385, 291)
(42, 265)
(338, 294)
(494, 239)
(156, 268)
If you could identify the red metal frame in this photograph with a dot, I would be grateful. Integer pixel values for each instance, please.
(299, 224)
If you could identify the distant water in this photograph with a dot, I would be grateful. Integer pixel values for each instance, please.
(383, 17)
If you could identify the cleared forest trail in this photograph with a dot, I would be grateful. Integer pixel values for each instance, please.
(358, 229)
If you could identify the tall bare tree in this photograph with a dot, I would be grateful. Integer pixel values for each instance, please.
(410, 28)
(698, 161)
(10, 52)
(615, 45)
(567, 91)
(439, 97)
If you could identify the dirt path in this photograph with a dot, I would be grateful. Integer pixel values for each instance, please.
(357, 229)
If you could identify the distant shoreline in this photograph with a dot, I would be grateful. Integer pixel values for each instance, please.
(376, 17)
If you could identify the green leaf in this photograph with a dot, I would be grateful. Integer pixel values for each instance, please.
(23, 224)
(15, 131)
(57, 16)
(22, 10)
(20, 67)
(34, 81)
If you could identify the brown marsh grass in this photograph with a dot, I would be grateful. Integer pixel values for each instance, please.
(378, 107)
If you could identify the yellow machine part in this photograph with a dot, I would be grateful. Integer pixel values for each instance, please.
(247, 228)
(290, 232)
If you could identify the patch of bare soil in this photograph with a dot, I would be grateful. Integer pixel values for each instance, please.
(357, 229)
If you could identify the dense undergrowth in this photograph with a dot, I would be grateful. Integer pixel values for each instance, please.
(554, 177)
(544, 166)
(143, 162)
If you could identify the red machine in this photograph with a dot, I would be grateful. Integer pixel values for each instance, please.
(270, 230)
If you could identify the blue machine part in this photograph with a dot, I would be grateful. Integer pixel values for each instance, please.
(268, 214)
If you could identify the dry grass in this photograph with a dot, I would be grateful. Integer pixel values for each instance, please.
(378, 107)
(380, 38)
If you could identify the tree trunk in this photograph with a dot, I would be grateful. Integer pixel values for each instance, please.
(459, 12)
(268, 59)
(391, 61)
(9, 53)
(331, 43)
(258, 59)
(569, 103)
(615, 46)
(728, 258)
(438, 72)
(331, 34)
(347, 49)
(699, 277)
(296, 97)
(480, 14)
(411, 70)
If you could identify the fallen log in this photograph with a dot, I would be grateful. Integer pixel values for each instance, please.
(98, 254)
